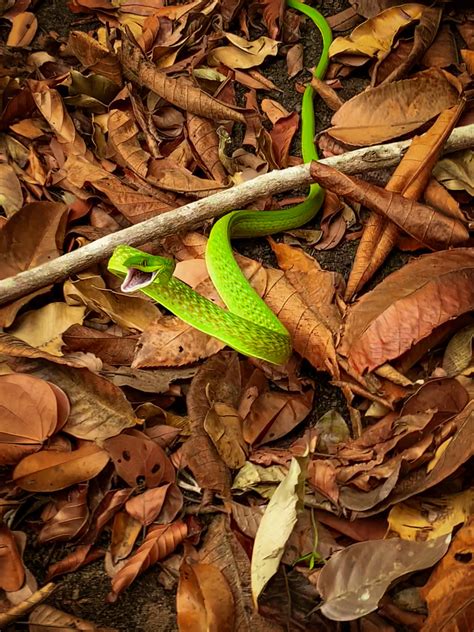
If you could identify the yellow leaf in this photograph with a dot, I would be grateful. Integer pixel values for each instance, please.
(242, 53)
(43, 327)
(430, 518)
(374, 37)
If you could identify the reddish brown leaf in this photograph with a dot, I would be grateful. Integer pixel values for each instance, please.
(94, 56)
(81, 556)
(70, 517)
(48, 470)
(138, 459)
(125, 531)
(158, 544)
(408, 305)
(147, 506)
(431, 228)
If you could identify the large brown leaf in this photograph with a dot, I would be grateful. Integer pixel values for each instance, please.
(391, 110)
(450, 588)
(407, 306)
(123, 141)
(427, 225)
(354, 580)
(48, 470)
(29, 415)
(99, 409)
(158, 544)
(32, 236)
(176, 91)
(204, 599)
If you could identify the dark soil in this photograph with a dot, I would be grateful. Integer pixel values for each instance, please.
(146, 605)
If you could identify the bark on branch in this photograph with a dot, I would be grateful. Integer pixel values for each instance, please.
(195, 213)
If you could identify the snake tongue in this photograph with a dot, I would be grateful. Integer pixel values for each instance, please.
(136, 280)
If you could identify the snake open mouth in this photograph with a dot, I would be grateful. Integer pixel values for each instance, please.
(136, 280)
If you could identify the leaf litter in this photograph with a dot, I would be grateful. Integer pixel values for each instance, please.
(128, 436)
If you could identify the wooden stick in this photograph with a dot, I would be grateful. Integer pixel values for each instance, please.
(195, 213)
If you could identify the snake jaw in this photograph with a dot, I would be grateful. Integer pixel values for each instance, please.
(137, 279)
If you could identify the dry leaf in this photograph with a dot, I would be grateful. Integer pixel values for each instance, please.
(69, 518)
(390, 319)
(160, 541)
(224, 425)
(242, 53)
(125, 531)
(94, 56)
(11, 196)
(456, 171)
(24, 27)
(448, 591)
(45, 618)
(354, 580)
(48, 470)
(389, 111)
(204, 599)
(32, 236)
(147, 506)
(43, 328)
(12, 571)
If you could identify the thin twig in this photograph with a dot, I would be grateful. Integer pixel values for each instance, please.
(195, 213)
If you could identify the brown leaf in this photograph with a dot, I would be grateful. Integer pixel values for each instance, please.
(109, 505)
(148, 506)
(24, 27)
(204, 599)
(81, 556)
(51, 106)
(443, 51)
(453, 577)
(224, 425)
(48, 470)
(282, 136)
(115, 350)
(124, 143)
(410, 179)
(170, 176)
(99, 409)
(129, 312)
(205, 143)
(176, 91)
(160, 541)
(294, 60)
(222, 549)
(29, 415)
(69, 518)
(395, 109)
(425, 32)
(12, 571)
(138, 459)
(94, 56)
(389, 320)
(32, 236)
(275, 414)
(431, 228)
(125, 531)
(349, 595)
(11, 196)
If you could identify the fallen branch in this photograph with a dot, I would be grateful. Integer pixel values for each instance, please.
(195, 213)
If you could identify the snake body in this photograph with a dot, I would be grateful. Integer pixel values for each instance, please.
(248, 325)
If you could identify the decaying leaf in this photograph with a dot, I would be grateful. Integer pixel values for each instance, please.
(11, 196)
(12, 571)
(456, 171)
(354, 580)
(242, 53)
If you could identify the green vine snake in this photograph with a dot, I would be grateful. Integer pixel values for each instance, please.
(248, 325)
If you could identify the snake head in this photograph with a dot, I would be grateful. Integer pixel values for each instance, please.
(139, 269)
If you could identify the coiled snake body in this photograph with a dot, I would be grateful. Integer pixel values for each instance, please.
(248, 325)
